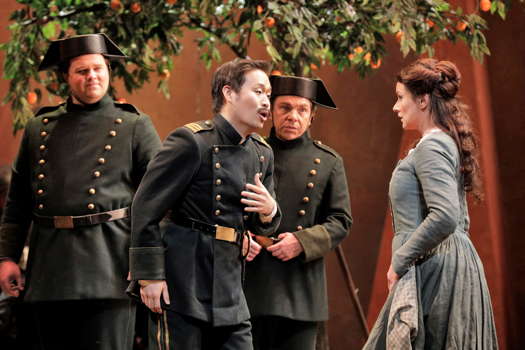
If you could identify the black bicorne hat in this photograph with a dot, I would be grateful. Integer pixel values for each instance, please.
(65, 49)
(312, 89)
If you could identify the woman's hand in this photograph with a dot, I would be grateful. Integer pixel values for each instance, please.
(392, 277)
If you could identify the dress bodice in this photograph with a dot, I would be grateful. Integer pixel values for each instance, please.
(427, 196)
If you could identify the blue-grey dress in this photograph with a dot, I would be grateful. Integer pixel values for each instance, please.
(431, 223)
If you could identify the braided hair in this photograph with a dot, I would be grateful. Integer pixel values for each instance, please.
(441, 80)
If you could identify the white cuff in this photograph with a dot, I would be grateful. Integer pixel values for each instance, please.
(268, 218)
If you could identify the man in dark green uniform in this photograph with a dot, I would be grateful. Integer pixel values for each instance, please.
(215, 178)
(286, 283)
(77, 170)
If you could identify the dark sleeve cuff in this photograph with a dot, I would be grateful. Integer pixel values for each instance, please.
(147, 263)
(12, 239)
(399, 265)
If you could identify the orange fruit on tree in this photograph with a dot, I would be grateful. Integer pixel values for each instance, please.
(165, 74)
(260, 9)
(430, 23)
(376, 64)
(461, 26)
(115, 4)
(270, 22)
(399, 36)
(313, 66)
(351, 56)
(31, 97)
(135, 7)
(367, 57)
(485, 5)
(276, 72)
(358, 50)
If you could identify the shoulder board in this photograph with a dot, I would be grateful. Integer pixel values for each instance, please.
(48, 109)
(127, 107)
(261, 139)
(325, 148)
(200, 126)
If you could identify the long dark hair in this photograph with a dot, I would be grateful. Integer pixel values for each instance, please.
(441, 80)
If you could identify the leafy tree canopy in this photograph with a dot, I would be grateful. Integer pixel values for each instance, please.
(299, 35)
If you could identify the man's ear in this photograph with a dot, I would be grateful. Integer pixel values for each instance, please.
(313, 113)
(227, 93)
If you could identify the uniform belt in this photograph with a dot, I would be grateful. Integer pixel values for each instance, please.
(222, 233)
(83, 220)
(265, 242)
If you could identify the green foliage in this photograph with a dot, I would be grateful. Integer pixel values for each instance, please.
(299, 35)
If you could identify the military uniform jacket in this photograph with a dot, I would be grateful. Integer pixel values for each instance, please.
(77, 160)
(313, 196)
(199, 174)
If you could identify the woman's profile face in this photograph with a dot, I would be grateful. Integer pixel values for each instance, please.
(406, 108)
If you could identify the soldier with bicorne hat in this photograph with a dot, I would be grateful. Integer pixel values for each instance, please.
(73, 180)
(286, 283)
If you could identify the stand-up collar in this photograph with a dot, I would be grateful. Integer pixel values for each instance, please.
(227, 129)
(284, 144)
(102, 103)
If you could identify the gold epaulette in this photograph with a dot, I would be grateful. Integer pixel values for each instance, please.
(199, 126)
(324, 147)
(128, 107)
(260, 139)
(47, 109)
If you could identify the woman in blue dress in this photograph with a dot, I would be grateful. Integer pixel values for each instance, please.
(438, 297)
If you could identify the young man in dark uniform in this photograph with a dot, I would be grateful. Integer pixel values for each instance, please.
(77, 170)
(286, 283)
(215, 178)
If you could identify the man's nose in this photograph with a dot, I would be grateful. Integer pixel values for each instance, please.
(91, 74)
(293, 115)
(266, 101)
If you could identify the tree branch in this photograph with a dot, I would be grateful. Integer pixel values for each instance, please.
(64, 14)
(196, 23)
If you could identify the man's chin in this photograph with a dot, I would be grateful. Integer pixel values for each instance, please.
(89, 99)
(287, 136)
(95, 99)
(257, 125)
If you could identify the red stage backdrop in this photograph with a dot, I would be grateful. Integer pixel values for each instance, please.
(369, 137)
